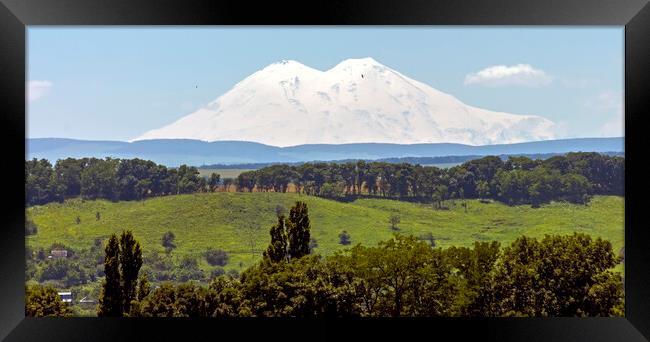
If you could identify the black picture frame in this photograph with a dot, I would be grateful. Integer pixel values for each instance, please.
(15, 15)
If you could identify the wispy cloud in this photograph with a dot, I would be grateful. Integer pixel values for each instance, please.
(37, 89)
(580, 83)
(609, 103)
(514, 75)
(614, 127)
(606, 101)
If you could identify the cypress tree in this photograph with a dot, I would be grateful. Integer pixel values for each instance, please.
(277, 250)
(110, 299)
(298, 230)
(122, 262)
(130, 263)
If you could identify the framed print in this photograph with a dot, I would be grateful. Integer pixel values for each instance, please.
(327, 170)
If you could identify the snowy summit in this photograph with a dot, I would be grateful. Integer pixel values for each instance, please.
(357, 101)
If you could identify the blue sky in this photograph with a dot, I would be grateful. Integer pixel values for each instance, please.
(116, 83)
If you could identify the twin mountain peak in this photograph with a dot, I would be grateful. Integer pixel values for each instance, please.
(357, 101)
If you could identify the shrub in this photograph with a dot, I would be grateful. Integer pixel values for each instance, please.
(99, 271)
(70, 273)
(76, 275)
(98, 242)
(189, 262)
(280, 210)
(216, 257)
(168, 241)
(233, 273)
(312, 244)
(331, 190)
(43, 301)
(188, 270)
(394, 220)
(55, 270)
(41, 255)
(429, 238)
(344, 238)
(217, 272)
(30, 227)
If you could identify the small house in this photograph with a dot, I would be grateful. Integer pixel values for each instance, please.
(86, 302)
(59, 253)
(66, 297)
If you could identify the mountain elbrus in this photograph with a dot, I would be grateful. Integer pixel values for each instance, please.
(321, 173)
(357, 101)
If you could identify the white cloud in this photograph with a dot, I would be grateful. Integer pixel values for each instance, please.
(37, 89)
(503, 75)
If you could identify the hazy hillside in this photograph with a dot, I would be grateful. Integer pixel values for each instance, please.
(195, 152)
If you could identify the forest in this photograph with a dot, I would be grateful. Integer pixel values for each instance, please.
(573, 177)
(519, 180)
(111, 179)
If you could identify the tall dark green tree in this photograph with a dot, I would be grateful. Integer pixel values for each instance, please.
(298, 230)
(110, 298)
(122, 262)
(277, 250)
(130, 263)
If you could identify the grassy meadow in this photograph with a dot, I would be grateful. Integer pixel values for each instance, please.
(239, 222)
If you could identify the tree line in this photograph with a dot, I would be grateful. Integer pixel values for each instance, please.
(397, 160)
(111, 179)
(567, 275)
(519, 180)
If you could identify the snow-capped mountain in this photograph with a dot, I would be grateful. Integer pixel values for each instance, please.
(357, 101)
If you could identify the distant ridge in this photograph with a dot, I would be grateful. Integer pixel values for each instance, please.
(173, 152)
(448, 160)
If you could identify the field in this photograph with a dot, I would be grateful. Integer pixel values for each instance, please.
(224, 173)
(239, 222)
(443, 165)
(233, 173)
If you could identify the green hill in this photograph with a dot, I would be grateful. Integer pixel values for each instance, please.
(239, 222)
